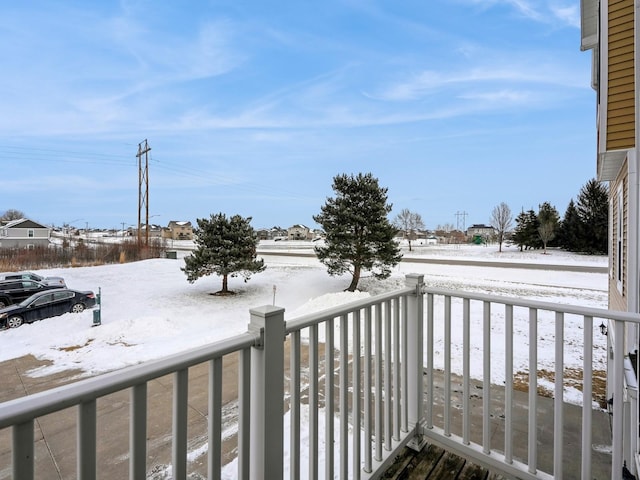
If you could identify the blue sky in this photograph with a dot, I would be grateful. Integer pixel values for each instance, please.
(252, 107)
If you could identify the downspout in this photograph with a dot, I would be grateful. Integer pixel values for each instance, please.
(633, 336)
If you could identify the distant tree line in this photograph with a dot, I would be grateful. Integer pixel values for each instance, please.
(584, 227)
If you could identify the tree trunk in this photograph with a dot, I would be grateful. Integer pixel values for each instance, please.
(354, 280)
(409, 245)
(224, 284)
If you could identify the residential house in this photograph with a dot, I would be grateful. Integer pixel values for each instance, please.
(271, 233)
(179, 230)
(24, 233)
(298, 232)
(609, 31)
(481, 230)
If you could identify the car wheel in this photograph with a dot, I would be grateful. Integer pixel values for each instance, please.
(77, 308)
(14, 321)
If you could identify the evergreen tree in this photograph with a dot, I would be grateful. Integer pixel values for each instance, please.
(224, 246)
(525, 234)
(593, 209)
(358, 234)
(548, 219)
(570, 230)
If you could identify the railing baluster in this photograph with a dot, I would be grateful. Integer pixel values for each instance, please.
(379, 421)
(357, 382)
(180, 410)
(22, 454)
(313, 402)
(388, 389)
(533, 390)
(618, 396)
(486, 378)
(329, 409)
(587, 393)
(508, 383)
(214, 421)
(87, 434)
(404, 365)
(558, 402)
(344, 396)
(367, 391)
(294, 407)
(138, 432)
(244, 413)
(447, 366)
(396, 370)
(466, 371)
(429, 347)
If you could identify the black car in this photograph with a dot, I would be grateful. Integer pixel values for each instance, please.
(45, 305)
(32, 276)
(14, 291)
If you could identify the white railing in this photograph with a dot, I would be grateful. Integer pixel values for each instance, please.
(363, 374)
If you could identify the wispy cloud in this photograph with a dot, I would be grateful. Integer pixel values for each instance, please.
(429, 81)
(544, 11)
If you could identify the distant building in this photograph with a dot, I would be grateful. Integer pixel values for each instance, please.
(271, 233)
(299, 232)
(24, 233)
(155, 231)
(177, 230)
(479, 229)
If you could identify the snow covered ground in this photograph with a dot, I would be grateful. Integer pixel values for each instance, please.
(149, 310)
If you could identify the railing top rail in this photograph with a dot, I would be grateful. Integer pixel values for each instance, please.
(310, 319)
(32, 406)
(550, 306)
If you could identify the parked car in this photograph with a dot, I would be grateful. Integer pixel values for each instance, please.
(32, 276)
(46, 304)
(14, 291)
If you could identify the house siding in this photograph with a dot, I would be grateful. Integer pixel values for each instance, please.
(618, 299)
(23, 233)
(620, 91)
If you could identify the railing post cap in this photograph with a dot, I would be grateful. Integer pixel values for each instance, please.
(414, 278)
(266, 311)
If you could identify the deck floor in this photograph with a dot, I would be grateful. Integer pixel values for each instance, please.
(433, 462)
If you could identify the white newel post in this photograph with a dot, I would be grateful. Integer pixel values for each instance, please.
(267, 393)
(415, 358)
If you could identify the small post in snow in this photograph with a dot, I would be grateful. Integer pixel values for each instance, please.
(96, 311)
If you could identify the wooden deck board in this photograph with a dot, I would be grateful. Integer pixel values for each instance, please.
(435, 463)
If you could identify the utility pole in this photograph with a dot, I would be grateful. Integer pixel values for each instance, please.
(143, 190)
(464, 220)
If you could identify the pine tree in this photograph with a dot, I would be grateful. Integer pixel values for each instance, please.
(593, 209)
(570, 230)
(359, 235)
(525, 234)
(226, 247)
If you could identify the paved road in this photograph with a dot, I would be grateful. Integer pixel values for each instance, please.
(467, 262)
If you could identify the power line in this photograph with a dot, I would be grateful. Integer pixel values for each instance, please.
(464, 220)
(143, 189)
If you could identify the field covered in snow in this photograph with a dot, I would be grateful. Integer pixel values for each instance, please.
(149, 310)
